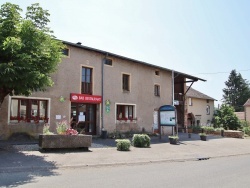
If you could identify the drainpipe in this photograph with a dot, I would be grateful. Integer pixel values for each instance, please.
(102, 110)
(173, 87)
(173, 99)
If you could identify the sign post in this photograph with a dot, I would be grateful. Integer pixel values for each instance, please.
(167, 116)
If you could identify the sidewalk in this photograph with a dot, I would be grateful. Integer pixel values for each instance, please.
(103, 153)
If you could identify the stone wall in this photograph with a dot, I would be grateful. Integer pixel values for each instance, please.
(233, 134)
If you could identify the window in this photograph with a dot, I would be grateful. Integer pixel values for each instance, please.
(65, 51)
(108, 62)
(207, 100)
(208, 110)
(157, 90)
(190, 102)
(28, 110)
(86, 80)
(125, 82)
(157, 73)
(125, 112)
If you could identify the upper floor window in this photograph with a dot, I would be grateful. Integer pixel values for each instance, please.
(27, 110)
(207, 100)
(208, 110)
(65, 51)
(86, 80)
(108, 62)
(125, 82)
(157, 73)
(190, 102)
(157, 90)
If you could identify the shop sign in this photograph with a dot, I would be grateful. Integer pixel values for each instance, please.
(83, 98)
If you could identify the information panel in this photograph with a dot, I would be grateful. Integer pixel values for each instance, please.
(167, 115)
(167, 118)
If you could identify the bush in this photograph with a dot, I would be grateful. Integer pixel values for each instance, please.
(245, 125)
(196, 128)
(141, 140)
(46, 130)
(208, 129)
(226, 118)
(123, 144)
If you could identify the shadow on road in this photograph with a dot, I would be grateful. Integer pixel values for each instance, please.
(14, 161)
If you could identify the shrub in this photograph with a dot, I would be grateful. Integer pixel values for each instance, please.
(174, 137)
(196, 128)
(226, 117)
(208, 129)
(141, 140)
(61, 127)
(123, 144)
(246, 130)
(46, 130)
(245, 125)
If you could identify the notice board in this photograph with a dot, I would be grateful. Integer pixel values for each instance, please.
(167, 115)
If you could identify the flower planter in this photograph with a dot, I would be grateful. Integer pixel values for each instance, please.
(173, 140)
(65, 141)
(203, 138)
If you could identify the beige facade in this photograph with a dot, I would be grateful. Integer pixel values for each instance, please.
(199, 108)
(247, 110)
(107, 81)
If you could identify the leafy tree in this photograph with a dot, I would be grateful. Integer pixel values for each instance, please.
(237, 91)
(29, 53)
(226, 118)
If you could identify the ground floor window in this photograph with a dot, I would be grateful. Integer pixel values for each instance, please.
(28, 110)
(125, 112)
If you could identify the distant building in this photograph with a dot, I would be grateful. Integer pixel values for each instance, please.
(247, 110)
(199, 108)
(240, 115)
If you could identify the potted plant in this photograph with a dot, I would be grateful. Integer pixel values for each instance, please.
(203, 136)
(173, 139)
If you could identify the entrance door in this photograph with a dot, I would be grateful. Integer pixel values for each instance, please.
(84, 117)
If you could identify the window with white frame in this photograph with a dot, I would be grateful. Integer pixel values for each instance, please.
(27, 110)
(208, 110)
(125, 112)
(190, 102)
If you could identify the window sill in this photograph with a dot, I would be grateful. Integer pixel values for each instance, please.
(126, 91)
(123, 121)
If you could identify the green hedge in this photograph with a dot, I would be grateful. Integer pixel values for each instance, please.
(141, 140)
(123, 144)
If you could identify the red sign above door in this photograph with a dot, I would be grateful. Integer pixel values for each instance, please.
(83, 98)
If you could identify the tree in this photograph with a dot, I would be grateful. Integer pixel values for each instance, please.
(226, 118)
(29, 53)
(237, 91)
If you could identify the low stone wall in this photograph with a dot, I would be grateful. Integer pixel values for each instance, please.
(65, 141)
(233, 134)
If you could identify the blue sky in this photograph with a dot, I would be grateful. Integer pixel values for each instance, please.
(204, 38)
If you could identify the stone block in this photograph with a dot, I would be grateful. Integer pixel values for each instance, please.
(65, 141)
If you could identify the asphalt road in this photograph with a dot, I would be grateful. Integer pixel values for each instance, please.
(219, 172)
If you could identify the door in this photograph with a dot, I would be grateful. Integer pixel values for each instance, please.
(84, 118)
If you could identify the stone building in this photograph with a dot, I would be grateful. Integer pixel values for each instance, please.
(95, 90)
